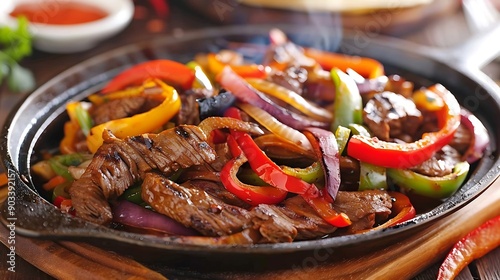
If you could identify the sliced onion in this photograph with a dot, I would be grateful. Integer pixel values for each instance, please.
(325, 146)
(77, 171)
(481, 138)
(133, 215)
(292, 98)
(212, 123)
(284, 132)
(246, 93)
(276, 147)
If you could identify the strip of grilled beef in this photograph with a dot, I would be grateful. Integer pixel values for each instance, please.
(118, 164)
(122, 108)
(195, 206)
(216, 189)
(390, 115)
(364, 208)
(440, 164)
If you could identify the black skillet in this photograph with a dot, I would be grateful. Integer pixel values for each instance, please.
(36, 124)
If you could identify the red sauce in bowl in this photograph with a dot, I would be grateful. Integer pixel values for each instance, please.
(59, 13)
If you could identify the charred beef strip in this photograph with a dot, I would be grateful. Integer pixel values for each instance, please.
(390, 115)
(440, 164)
(118, 164)
(122, 108)
(364, 208)
(193, 207)
(189, 113)
(293, 218)
(197, 207)
(292, 78)
(216, 189)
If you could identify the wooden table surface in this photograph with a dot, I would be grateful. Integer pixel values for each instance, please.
(147, 25)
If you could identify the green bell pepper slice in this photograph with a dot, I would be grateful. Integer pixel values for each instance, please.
(372, 177)
(434, 187)
(60, 163)
(348, 105)
(342, 136)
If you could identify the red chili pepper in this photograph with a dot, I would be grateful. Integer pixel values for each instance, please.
(474, 245)
(396, 155)
(172, 72)
(366, 67)
(254, 195)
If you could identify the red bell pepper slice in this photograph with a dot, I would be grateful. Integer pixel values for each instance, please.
(474, 245)
(53, 182)
(405, 155)
(254, 195)
(265, 168)
(172, 72)
(366, 67)
(402, 210)
(272, 174)
(325, 210)
(245, 70)
(269, 171)
(64, 204)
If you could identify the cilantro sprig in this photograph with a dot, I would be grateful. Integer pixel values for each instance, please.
(15, 44)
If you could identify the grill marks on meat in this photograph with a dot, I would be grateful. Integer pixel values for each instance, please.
(193, 207)
(184, 146)
(294, 217)
(292, 78)
(118, 164)
(199, 207)
(390, 115)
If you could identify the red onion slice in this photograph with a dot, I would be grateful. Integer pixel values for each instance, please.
(130, 214)
(325, 146)
(481, 137)
(246, 93)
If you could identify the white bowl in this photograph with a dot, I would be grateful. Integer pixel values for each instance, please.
(74, 37)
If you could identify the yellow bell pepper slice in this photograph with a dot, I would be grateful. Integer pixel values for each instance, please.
(140, 123)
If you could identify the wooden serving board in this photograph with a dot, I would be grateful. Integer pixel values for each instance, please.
(402, 260)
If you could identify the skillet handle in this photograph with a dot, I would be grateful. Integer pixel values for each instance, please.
(476, 52)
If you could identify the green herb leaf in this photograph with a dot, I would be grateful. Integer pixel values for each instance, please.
(20, 79)
(15, 44)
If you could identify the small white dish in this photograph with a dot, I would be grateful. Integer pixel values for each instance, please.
(72, 38)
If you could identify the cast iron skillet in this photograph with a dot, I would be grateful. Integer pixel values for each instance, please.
(37, 124)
